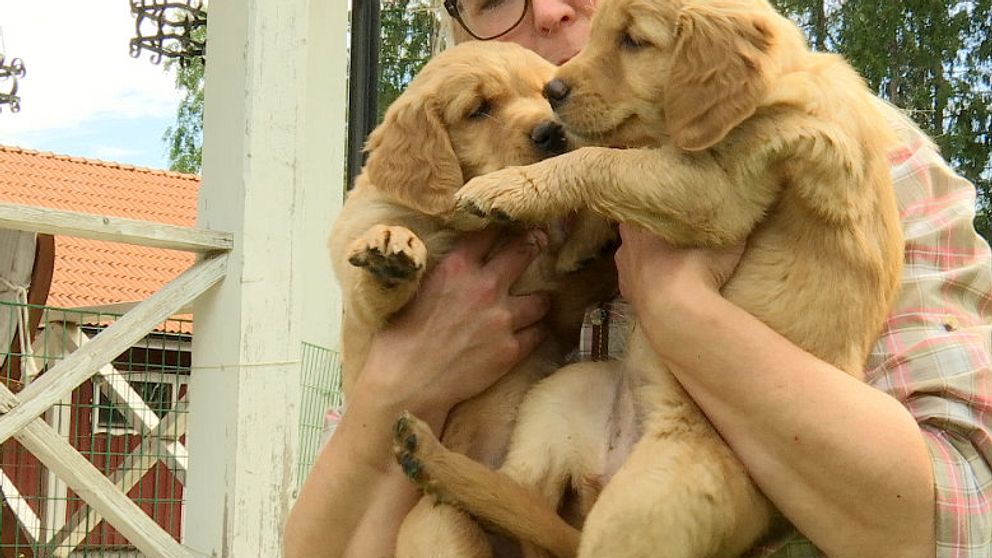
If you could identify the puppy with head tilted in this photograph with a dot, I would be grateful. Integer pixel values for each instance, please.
(717, 125)
(473, 109)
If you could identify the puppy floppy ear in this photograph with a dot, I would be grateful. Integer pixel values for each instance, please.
(411, 158)
(721, 70)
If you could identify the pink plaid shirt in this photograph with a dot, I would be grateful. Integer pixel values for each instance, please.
(934, 354)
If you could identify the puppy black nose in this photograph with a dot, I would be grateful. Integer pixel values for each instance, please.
(556, 91)
(549, 137)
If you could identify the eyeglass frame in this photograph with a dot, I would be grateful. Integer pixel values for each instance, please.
(451, 6)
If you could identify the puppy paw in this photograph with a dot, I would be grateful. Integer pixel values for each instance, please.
(463, 220)
(391, 254)
(591, 239)
(504, 196)
(413, 445)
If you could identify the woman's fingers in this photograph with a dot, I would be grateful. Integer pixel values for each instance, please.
(529, 338)
(526, 310)
(477, 245)
(509, 261)
(651, 269)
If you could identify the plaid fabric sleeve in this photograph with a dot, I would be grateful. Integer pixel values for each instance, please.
(604, 331)
(934, 354)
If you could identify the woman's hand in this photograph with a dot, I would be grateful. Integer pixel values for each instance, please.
(653, 272)
(461, 333)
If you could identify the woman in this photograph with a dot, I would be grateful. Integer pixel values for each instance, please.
(896, 466)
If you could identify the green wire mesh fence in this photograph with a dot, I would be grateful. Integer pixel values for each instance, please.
(321, 404)
(128, 420)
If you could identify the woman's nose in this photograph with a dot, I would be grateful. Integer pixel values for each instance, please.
(549, 15)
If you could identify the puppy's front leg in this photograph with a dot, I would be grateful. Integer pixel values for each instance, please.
(391, 262)
(690, 199)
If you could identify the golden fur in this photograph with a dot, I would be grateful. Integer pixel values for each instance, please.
(733, 130)
(472, 110)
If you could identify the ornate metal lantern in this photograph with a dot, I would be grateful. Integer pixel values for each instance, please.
(170, 29)
(8, 83)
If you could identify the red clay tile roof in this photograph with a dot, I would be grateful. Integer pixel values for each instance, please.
(92, 272)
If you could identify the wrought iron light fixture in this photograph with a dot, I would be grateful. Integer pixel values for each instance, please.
(8, 91)
(169, 28)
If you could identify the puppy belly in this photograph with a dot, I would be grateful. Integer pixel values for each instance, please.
(622, 428)
(578, 427)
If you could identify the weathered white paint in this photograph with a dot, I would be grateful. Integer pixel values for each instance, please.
(65, 376)
(115, 229)
(50, 343)
(273, 175)
(30, 522)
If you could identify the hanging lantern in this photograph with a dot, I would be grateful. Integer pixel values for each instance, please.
(168, 28)
(8, 83)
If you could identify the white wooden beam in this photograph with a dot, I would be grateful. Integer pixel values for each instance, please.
(115, 386)
(119, 390)
(273, 172)
(91, 485)
(117, 338)
(125, 477)
(114, 229)
(22, 510)
(50, 344)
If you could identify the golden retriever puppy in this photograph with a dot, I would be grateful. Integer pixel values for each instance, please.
(472, 110)
(731, 129)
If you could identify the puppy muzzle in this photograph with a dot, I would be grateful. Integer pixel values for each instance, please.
(556, 91)
(549, 138)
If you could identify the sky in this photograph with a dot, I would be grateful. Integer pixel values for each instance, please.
(83, 94)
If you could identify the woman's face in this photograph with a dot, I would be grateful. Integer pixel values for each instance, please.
(555, 29)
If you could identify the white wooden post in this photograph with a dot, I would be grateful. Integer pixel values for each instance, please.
(273, 175)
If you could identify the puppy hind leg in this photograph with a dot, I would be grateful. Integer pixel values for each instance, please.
(556, 445)
(488, 495)
(435, 530)
(678, 496)
(547, 484)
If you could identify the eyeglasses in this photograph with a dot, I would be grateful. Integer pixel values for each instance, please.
(487, 19)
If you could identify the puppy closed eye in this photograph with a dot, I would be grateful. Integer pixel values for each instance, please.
(629, 42)
(482, 110)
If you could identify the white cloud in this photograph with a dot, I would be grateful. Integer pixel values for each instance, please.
(79, 69)
(113, 153)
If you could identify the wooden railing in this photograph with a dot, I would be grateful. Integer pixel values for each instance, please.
(20, 418)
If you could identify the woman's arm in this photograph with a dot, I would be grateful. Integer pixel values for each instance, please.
(461, 333)
(345, 492)
(846, 463)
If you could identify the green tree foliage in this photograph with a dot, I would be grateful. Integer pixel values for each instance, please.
(185, 140)
(812, 15)
(409, 30)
